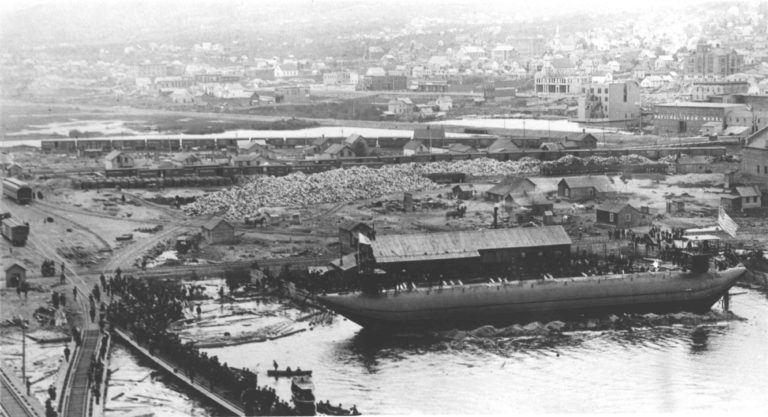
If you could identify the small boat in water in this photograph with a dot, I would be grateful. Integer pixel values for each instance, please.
(327, 409)
(303, 396)
(288, 373)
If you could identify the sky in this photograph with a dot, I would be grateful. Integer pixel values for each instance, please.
(12, 5)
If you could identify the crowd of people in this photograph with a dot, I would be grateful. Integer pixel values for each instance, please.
(147, 308)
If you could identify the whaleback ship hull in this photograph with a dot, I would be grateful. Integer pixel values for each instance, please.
(524, 301)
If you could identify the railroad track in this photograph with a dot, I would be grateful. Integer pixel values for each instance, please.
(84, 212)
(48, 212)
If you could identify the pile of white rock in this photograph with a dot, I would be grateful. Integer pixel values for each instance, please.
(299, 190)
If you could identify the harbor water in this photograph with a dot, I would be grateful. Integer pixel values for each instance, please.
(719, 367)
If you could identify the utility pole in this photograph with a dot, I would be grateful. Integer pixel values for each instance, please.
(23, 351)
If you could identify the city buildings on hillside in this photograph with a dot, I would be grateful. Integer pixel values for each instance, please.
(559, 78)
(709, 59)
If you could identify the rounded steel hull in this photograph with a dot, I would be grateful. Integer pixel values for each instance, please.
(525, 301)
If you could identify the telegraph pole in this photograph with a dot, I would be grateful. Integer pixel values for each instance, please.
(23, 351)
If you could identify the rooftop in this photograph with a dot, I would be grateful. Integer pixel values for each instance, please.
(701, 105)
(211, 224)
(613, 206)
(463, 244)
(600, 183)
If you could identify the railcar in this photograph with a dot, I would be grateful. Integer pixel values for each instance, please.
(17, 190)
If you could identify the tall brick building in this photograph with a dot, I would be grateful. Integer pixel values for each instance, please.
(709, 60)
(687, 118)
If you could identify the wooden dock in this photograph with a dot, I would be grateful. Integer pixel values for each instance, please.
(200, 384)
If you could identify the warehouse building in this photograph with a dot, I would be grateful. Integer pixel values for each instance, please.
(468, 251)
(687, 118)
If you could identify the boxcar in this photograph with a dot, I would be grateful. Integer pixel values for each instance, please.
(17, 190)
(15, 231)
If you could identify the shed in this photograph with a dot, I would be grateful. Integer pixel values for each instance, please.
(339, 150)
(551, 146)
(218, 230)
(585, 140)
(14, 170)
(357, 144)
(622, 215)
(118, 160)
(247, 160)
(15, 275)
(321, 144)
(515, 185)
(537, 203)
(741, 198)
(349, 234)
(503, 145)
(585, 188)
(463, 191)
(414, 147)
(186, 159)
(750, 196)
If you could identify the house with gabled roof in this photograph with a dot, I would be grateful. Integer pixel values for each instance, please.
(218, 230)
(414, 147)
(503, 145)
(585, 188)
(622, 215)
(339, 150)
(118, 160)
(511, 186)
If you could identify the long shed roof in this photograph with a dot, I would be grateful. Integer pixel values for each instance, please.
(464, 244)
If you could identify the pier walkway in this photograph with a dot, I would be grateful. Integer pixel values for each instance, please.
(77, 400)
(200, 384)
(13, 399)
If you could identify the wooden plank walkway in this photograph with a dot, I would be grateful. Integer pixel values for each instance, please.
(200, 384)
(78, 398)
(13, 401)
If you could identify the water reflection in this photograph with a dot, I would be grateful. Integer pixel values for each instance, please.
(699, 340)
(671, 367)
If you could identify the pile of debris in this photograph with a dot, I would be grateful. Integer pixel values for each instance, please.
(301, 190)
(358, 183)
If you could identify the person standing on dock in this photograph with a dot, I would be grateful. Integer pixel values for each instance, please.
(96, 393)
(29, 385)
(274, 363)
(66, 352)
(199, 311)
(74, 293)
